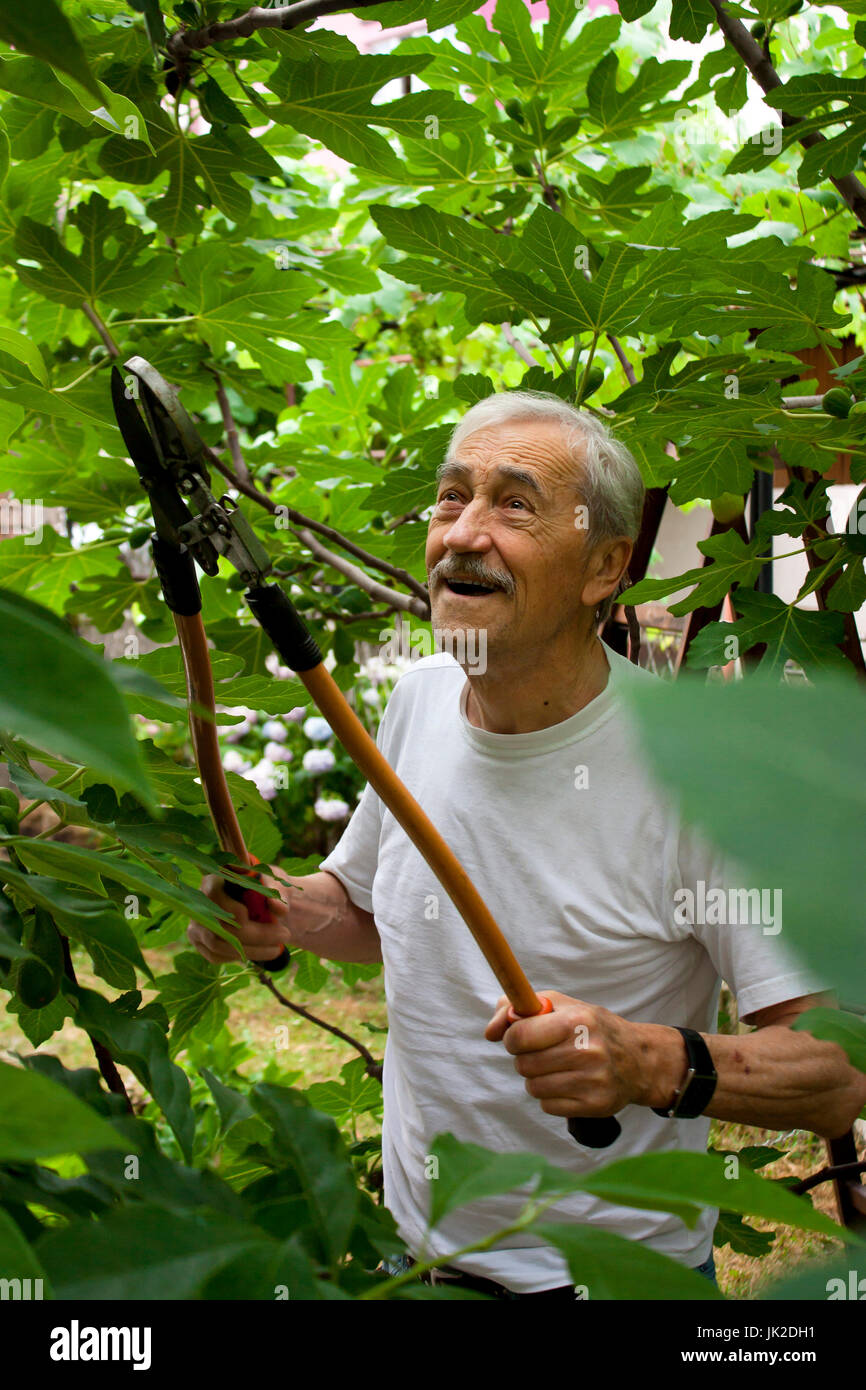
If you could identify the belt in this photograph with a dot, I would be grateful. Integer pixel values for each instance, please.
(459, 1279)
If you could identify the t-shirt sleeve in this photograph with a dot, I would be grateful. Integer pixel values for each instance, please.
(354, 858)
(741, 927)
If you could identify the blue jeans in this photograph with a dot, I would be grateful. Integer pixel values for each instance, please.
(708, 1270)
(399, 1264)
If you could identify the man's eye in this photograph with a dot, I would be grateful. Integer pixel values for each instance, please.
(519, 500)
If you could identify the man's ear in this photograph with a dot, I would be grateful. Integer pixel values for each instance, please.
(605, 568)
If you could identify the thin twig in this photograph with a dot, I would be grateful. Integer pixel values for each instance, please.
(373, 1068)
(231, 429)
(405, 602)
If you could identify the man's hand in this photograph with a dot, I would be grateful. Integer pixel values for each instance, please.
(585, 1060)
(260, 940)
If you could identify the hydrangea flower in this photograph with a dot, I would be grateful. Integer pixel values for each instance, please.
(296, 715)
(273, 729)
(264, 774)
(319, 760)
(277, 753)
(233, 761)
(282, 673)
(331, 809)
(317, 729)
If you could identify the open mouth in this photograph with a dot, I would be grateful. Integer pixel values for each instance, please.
(458, 586)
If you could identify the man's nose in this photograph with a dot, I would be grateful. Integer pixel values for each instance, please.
(471, 529)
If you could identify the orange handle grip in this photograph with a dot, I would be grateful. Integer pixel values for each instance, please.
(546, 1008)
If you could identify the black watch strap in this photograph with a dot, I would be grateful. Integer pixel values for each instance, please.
(699, 1083)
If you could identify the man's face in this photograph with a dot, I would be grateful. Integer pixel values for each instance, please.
(504, 521)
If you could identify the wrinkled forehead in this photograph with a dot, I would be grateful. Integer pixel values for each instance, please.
(536, 453)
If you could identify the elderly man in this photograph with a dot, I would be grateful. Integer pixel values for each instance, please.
(528, 764)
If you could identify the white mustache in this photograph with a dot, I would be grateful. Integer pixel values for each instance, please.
(473, 573)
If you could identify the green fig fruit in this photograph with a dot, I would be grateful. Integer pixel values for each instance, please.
(727, 507)
(593, 381)
(36, 985)
(837, 402)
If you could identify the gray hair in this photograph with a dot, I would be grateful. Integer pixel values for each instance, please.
(606, 475)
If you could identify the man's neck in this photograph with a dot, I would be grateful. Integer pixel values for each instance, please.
(517, 697)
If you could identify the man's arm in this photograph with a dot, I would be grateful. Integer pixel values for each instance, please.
(313, 912)
(582, 1060)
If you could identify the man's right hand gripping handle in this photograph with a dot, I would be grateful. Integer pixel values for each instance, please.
(262, 925)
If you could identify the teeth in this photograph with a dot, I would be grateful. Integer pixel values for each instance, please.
(460, 587)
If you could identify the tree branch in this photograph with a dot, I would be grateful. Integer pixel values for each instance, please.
(231, 429)
(255, 494)
(513, 342)
(401, 520)
(623, 360)
(101, 329)
(406, 602)
(801, 402)
(761, 68)
(840, 1170)
(110, 1075)
(185, 42)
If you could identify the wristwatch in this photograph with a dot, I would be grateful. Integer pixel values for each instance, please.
(699, 1083)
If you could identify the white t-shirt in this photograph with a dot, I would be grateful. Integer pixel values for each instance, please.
(578, 855)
